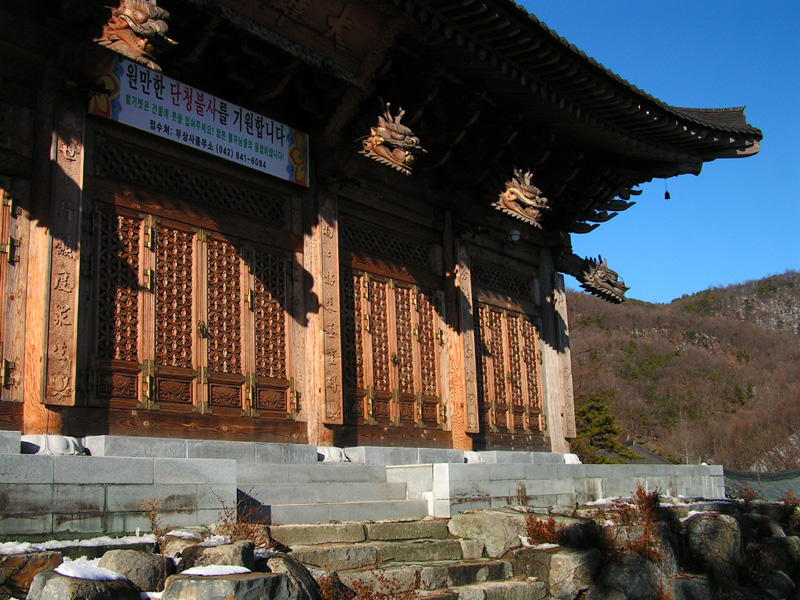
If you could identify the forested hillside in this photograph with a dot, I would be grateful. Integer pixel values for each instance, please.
(714, 376)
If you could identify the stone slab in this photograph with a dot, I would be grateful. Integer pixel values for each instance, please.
(407, 530)
(233, 587)
(310, 473)
(295, 454)
(95, 469)
(439, 455)
(335, 558)
(23, 499)
(243, 452)
(129, 498)
(380, 455)
(379, 511)
(309, 535)
(463, 573)
(418, 478)
(9, 442)
(194, 470)
(17, 525)
(420, 551)
(143, 447)
(309, 493)
(26, 468)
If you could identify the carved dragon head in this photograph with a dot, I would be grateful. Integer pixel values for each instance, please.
(523, 200)
(135, 29)
(596, 278)
(392, 143)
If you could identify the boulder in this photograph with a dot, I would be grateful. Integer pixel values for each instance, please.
(499, 530)
(565, 572)
(237, 554)
(248, 586)
(49, 585)
(667, 543)
(715, 543)
(633, 578)
(18, 570)
(775, 554)
(692, 587)
(146, 571)
(305, 587)
(177, 540)
(777, 584)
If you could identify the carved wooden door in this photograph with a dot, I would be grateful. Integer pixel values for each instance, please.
(508, 371)
(392, 336)
(187, 320)
(12, 285)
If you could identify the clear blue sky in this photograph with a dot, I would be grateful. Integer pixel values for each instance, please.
(739, 219)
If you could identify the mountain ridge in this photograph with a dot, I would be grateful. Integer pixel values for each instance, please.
(711, 376)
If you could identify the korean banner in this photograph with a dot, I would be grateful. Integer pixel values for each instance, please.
(147, 100)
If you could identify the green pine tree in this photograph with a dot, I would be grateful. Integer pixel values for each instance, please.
(597, 438)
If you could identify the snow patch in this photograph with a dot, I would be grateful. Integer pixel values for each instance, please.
(7, 548)
(211, 570)
(84, 571)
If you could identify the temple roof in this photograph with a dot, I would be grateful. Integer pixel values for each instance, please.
(604, 108)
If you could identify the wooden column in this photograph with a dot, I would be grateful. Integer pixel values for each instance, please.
(463, 366)
(15, 194)
(553, 392)
(323, 330)
(57, 144)
(565, 357)
(65, 212)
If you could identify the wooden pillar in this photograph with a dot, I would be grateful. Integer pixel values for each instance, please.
(461, 355)
(323, 331)
(38, 418)
(565, 357)
(553, 393)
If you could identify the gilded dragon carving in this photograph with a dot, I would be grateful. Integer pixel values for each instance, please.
(523, 200)
(392, 143)
(135, 30)
(594, 276)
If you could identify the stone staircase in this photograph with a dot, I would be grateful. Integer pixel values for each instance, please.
(396, 558)
(325, 493)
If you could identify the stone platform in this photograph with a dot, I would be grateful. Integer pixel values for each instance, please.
(101, 493)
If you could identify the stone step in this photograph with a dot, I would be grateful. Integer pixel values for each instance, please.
(329, 512)
(396, 579)
(331, 533)
(315, 493)
(491, 590)
(437, 576)
(432, 529)
(350, 556)
(254, 474)
(412, 551)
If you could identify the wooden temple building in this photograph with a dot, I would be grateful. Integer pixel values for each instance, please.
(332, 222)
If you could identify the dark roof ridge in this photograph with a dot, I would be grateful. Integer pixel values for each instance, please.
(683, 112)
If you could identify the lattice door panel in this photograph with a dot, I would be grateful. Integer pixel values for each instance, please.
(270, 386)
(391, 333)
(117, 253)
(177, 328)
(508, 371)
(223, 369)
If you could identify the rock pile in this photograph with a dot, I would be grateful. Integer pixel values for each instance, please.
(700, 551)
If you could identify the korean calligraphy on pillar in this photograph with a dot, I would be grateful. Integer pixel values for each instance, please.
(64, 259)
